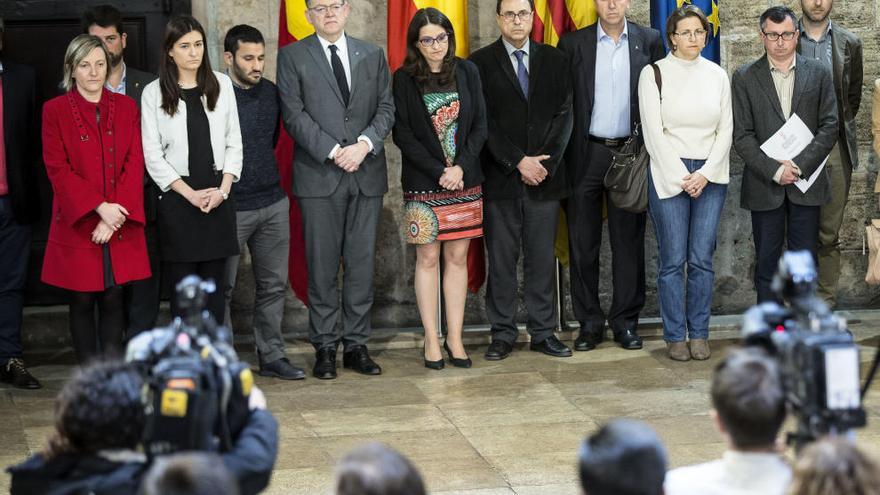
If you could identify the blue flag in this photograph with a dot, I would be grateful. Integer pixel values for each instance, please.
(660, 10)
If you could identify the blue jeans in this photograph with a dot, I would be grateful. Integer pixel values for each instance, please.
(686, 232)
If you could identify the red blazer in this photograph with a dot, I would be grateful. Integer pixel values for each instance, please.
(86, 167)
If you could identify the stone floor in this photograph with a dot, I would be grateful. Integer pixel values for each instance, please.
(505, 427)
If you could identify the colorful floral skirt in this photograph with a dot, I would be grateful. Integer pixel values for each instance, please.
(443, 215)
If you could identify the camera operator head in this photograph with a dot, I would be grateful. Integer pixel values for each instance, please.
(748, 399)
(375, 469)
(833, 466)
(192, 473)
(99, 409)
(624, 457)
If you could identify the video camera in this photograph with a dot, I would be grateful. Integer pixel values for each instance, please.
(196, 390)
(817, 356)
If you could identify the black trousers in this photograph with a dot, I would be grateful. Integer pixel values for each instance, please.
(15, 243)
(213, 269)
(508, 225)
(800, 224)
(627, 235)
(142, 296)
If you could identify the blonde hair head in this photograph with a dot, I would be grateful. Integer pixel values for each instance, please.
(78, 49)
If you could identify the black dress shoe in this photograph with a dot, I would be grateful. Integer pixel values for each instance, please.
(628, 338)
(588, 338)
(358, 359)
(551, 346)
(498, 350)
(458, 363)
(15, 373)
(325, 363)
(281, 368)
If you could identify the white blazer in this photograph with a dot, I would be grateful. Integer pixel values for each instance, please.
(166, 147)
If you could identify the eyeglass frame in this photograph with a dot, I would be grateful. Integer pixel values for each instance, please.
(522, 15)
(434, 41)
(321, 10)
(774, 37)
(699, 33)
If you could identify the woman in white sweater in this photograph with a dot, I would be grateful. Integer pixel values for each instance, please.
(688, 133)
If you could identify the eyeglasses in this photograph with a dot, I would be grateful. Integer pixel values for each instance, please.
(699, 33)
(786, 36)
(522, 15)
(322, 10)
(441, 39)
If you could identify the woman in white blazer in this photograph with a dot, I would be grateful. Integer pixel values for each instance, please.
(193, 151)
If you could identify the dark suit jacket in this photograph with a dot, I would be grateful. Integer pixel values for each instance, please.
(846, 61)
(518, 127)
(20, 136)
(757, 115)
(316, 117)
(135, 80)
(423, 158)
(645, 46)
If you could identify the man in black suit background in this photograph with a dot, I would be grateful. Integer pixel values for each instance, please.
(141, 297)
(528, 101)
(19, 208)
(606, 59)
(766, 93)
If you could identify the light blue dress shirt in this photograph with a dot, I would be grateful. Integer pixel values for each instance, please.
(611, 105)
(120, 90)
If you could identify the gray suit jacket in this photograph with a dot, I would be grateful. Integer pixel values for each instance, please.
(757, 115)
(315, 116)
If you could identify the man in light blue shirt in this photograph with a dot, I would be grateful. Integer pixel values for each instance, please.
(606, 59)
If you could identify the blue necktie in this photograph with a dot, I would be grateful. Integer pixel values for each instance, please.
(521, 73)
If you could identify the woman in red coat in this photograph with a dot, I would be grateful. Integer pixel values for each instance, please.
(92, 150)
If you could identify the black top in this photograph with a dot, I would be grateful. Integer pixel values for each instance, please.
(423, 159)
(188, 235)
(260, 183)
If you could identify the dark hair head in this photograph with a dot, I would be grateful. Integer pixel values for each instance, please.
(748, 397)
(498, 6)
(680, 14)
(241, 33)
(104, 16)
(832, 466)
(99, 408)
(414, 64)
(778, 14)
(178, 27)
(191, 473)
(375, 469)
(625, 457)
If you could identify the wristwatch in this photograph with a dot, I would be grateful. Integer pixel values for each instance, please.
(223, 193)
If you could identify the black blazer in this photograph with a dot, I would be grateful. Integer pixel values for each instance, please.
(645, 46)
(518, 127)
(757, 115)
(423, 158)
(135, 80)
(21, 135)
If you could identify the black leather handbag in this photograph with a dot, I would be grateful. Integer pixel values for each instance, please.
(627, 178)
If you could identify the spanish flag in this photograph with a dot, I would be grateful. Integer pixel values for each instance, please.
(552, 19)
(401, 12)
(293, 26)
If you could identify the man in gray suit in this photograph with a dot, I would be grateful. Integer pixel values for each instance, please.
(766, 93)
(840, 51)
(337, 104)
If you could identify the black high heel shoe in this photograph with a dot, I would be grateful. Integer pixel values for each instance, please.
(458, 363)
(433, 365)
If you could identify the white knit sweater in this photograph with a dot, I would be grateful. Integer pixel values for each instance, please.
(693, 121)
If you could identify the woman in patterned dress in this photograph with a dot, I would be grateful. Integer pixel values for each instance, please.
(440, 129)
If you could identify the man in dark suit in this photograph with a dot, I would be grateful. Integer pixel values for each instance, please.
(337, 105)
(766, 93)
(840, 51)
(141, 297)
(19, 208)
(528, 102)
(606, 60)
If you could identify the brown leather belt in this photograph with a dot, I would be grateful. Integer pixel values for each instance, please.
(608, 143)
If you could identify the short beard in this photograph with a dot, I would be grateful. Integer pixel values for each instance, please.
(242, 76)
(115, 59)
(817, 21)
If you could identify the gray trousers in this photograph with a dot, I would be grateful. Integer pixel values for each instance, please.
(830, 220)
(508, 225)
(266, 232)
(343, 225)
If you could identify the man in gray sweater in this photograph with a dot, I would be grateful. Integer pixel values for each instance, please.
(262, 208)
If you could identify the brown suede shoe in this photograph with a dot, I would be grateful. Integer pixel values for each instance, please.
(700, 349)
(678, 351)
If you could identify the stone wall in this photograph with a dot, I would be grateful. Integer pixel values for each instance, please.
(734, 260)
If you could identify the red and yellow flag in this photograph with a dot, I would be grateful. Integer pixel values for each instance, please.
(401, 12)
(292, 27)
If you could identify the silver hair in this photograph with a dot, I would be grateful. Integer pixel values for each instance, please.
(78, 49)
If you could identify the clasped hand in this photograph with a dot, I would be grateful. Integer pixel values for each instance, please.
(350, 157)
(205, 199)
(790, 174)
(452, 178)
(531, 170)
(113, 214)
(693, 184)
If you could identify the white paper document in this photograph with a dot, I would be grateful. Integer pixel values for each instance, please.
(788, 142)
